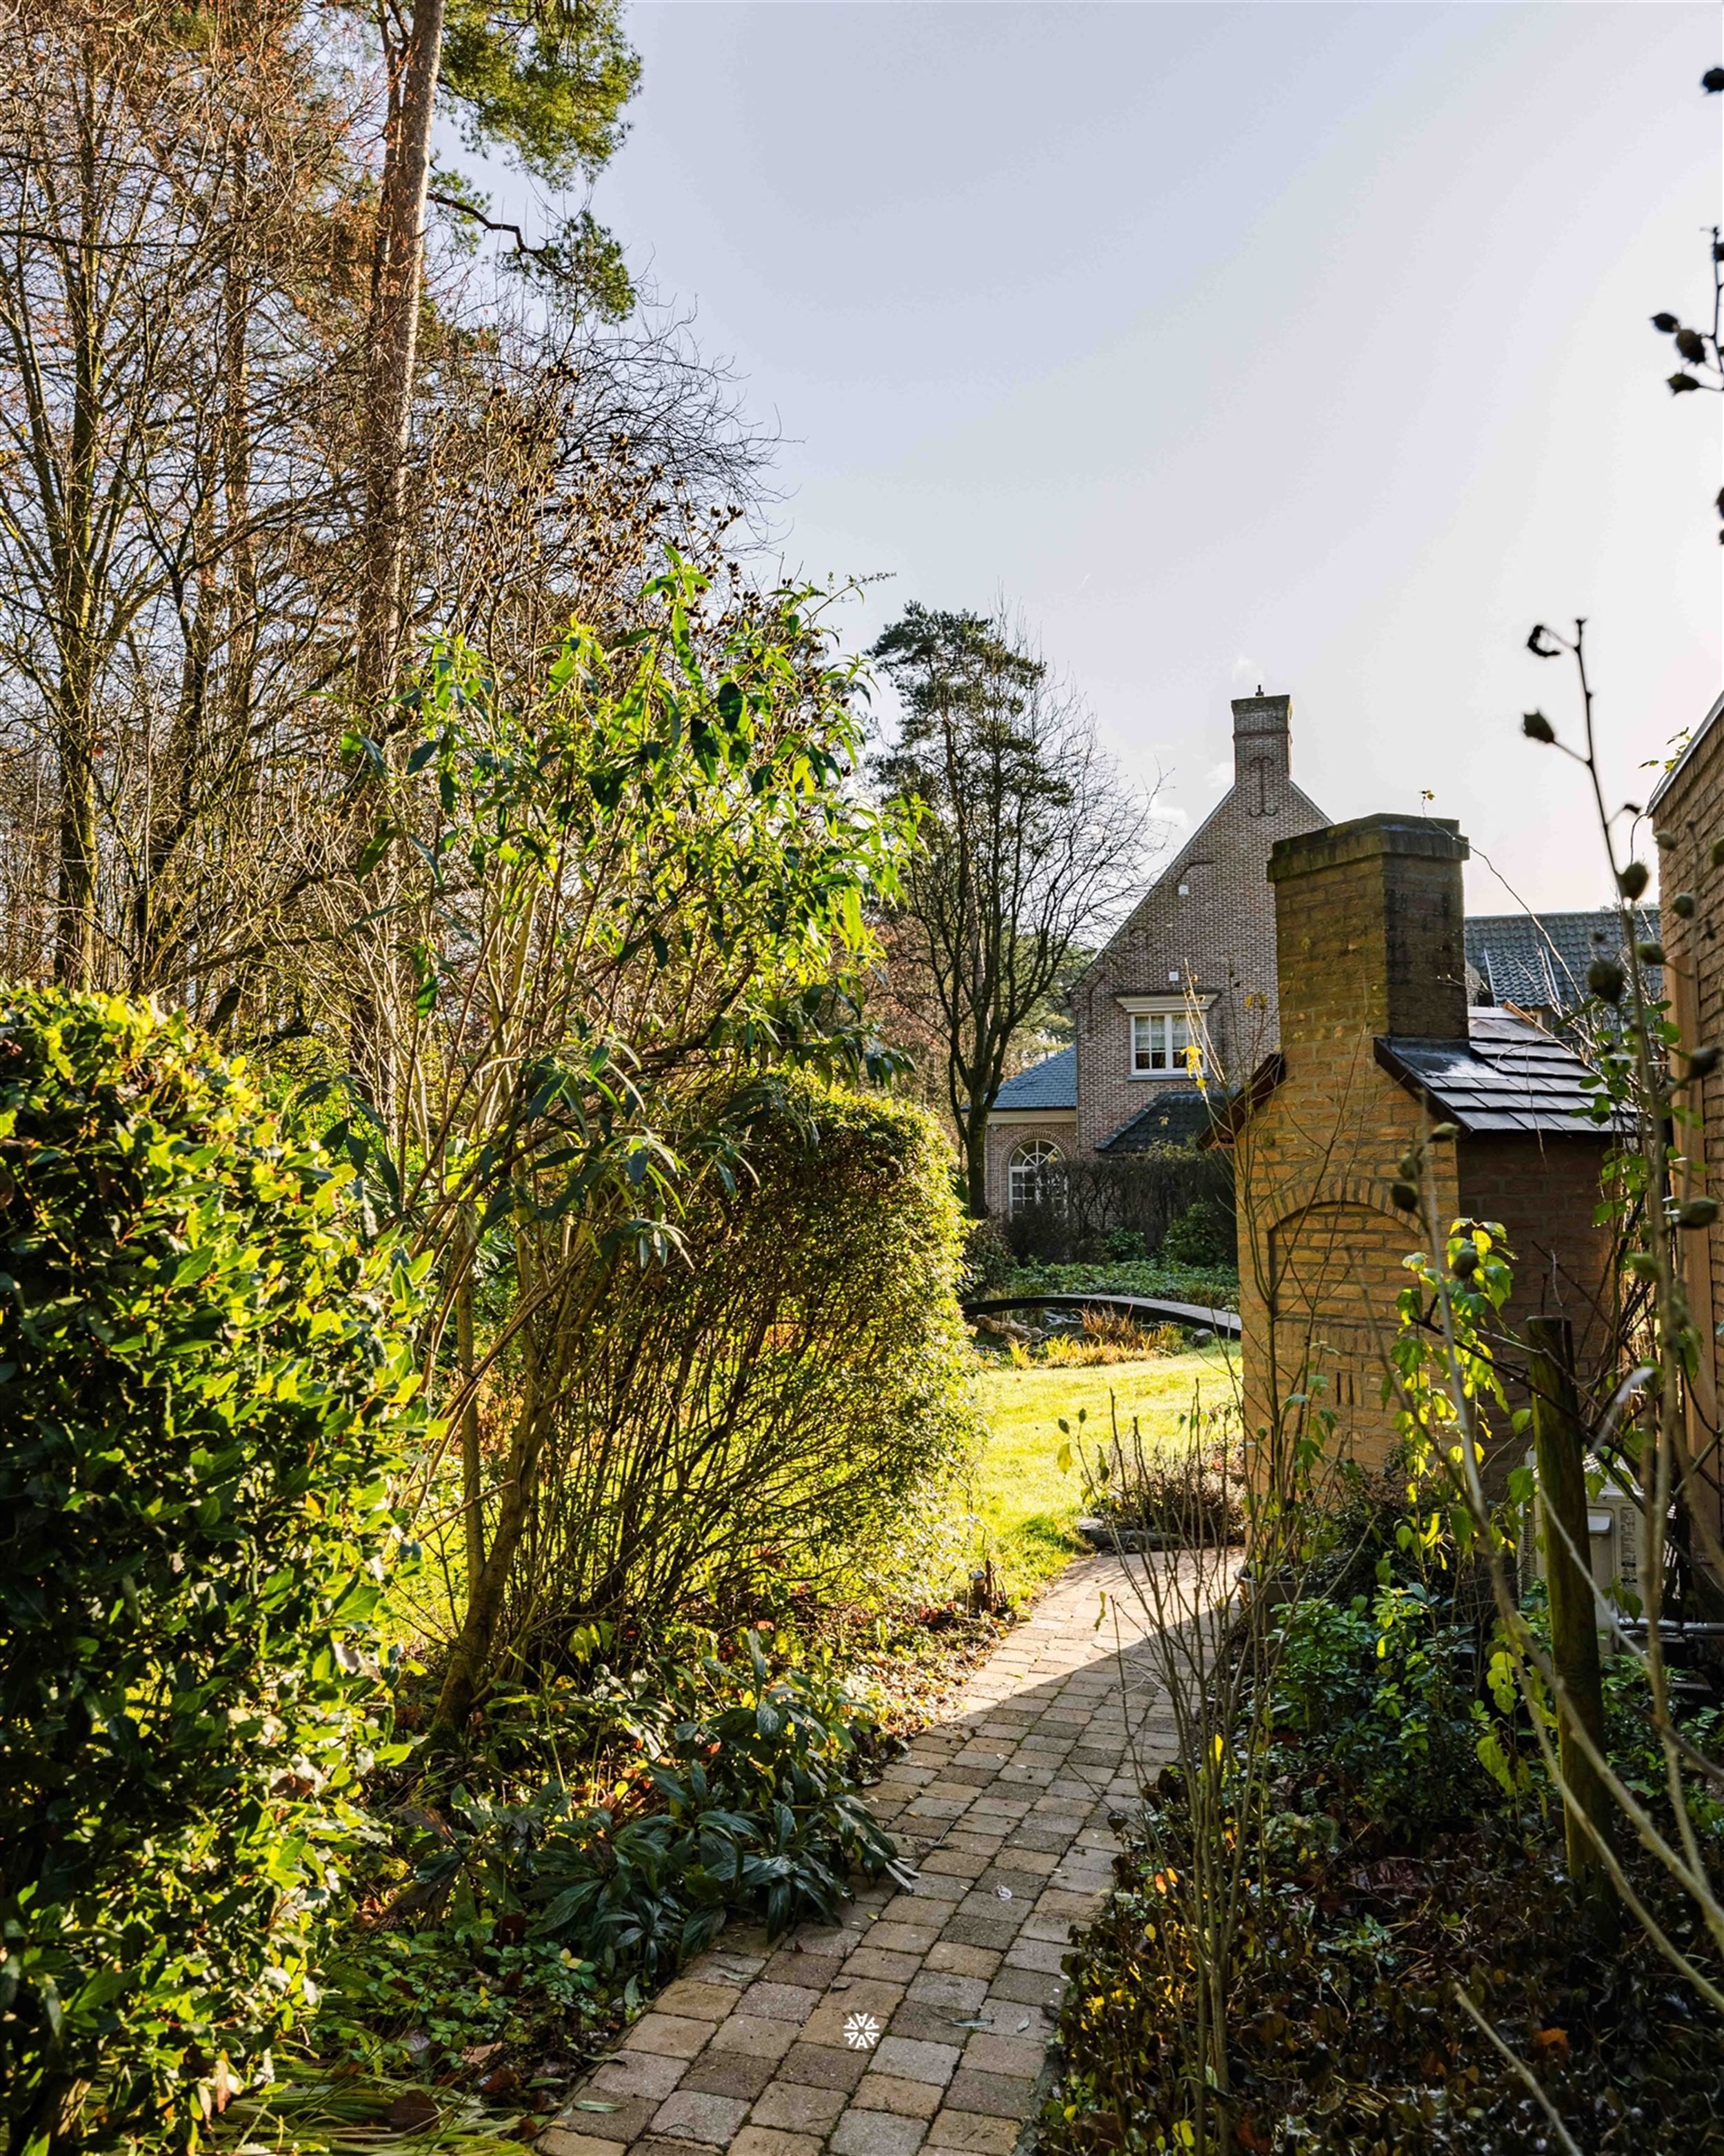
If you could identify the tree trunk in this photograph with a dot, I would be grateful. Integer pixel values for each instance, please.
(74, 940)
(975, 1163)
(75, 595)
(471, 1655)
(472, 1479)
(398, 268)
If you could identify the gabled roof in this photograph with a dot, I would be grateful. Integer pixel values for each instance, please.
(1168, 876)
(1176, 1115)
(1539, 962)
(1507, 1078)
(1052, 1083)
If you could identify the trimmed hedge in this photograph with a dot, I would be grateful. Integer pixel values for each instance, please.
(203, 1380)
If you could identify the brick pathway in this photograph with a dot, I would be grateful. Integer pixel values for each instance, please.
(1004, 1809)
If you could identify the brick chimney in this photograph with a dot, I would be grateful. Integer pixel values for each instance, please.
(1369, 930)
(1262, 751)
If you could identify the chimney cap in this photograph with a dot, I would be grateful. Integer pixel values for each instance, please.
(1262, 715)
(1367, 838)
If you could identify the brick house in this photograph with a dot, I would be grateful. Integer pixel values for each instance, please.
(1191, 970)
(1377, 1041)
(1687, 812)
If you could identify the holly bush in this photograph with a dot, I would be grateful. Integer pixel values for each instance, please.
(204, 1384)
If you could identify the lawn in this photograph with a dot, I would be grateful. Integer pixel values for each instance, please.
(1025, 1504)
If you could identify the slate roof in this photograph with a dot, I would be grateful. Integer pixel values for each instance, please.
(1508, 1077)
(1052, 1083)
(1175, 1116)
(1539, 960)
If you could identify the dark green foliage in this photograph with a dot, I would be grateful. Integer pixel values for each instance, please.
(1203, 1235)
(988, 1258)
(1409, 1844)
(203, 1381)
(1214, 1287)
(1349, 2040)
(732, 1790)
(1379, 1693)
(1172, 1201)
(757, 1814)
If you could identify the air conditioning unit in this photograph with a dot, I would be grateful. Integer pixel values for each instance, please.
(1613, 1537)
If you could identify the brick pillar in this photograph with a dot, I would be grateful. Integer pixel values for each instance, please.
(1368, 940)
(1370, 930)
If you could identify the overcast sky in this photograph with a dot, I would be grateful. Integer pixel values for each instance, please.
(1304, 345)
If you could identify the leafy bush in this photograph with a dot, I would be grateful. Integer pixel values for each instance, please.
(988, 1258)
(1203, 1235)
(1387, 1868)
(1383, 1692)
(1345, 2035)
(202, 1380)
(734, 1791)
(769, 1411)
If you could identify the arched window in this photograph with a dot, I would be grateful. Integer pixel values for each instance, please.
(1029, 1163)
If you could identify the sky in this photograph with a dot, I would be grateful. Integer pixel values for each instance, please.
(1298, 345)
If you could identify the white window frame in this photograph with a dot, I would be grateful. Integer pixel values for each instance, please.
(1159, 1032)
(1023, 1172)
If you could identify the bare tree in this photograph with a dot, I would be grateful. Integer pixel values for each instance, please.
(155, 189)
(1028, 838)
(547, 85)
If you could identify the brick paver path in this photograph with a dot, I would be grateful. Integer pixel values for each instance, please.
(1004, 1809)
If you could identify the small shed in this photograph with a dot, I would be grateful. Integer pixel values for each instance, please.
(1379, 1045)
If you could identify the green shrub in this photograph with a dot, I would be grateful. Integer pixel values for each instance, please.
(1203, 1235)
(769, 1411)
(1345, 2034)
(1215, 1287)
(1380, 1693)
(729, 1789)
(202, 1381)
(987, 1258)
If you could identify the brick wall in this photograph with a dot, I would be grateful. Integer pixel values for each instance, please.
(1321, 1244)
(1545, 1192)
(1688, 815)
(1219, 937)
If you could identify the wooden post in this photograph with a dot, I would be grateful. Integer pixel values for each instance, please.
(1559, 1450)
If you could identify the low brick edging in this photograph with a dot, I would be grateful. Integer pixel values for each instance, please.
(1003, 1808)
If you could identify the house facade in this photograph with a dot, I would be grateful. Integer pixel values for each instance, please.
(1184, 989)
(1191, 976)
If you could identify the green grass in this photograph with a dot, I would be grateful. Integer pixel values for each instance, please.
(1025, 1504)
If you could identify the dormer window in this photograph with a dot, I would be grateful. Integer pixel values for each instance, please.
(1161, 1044)
(1164, 1032)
